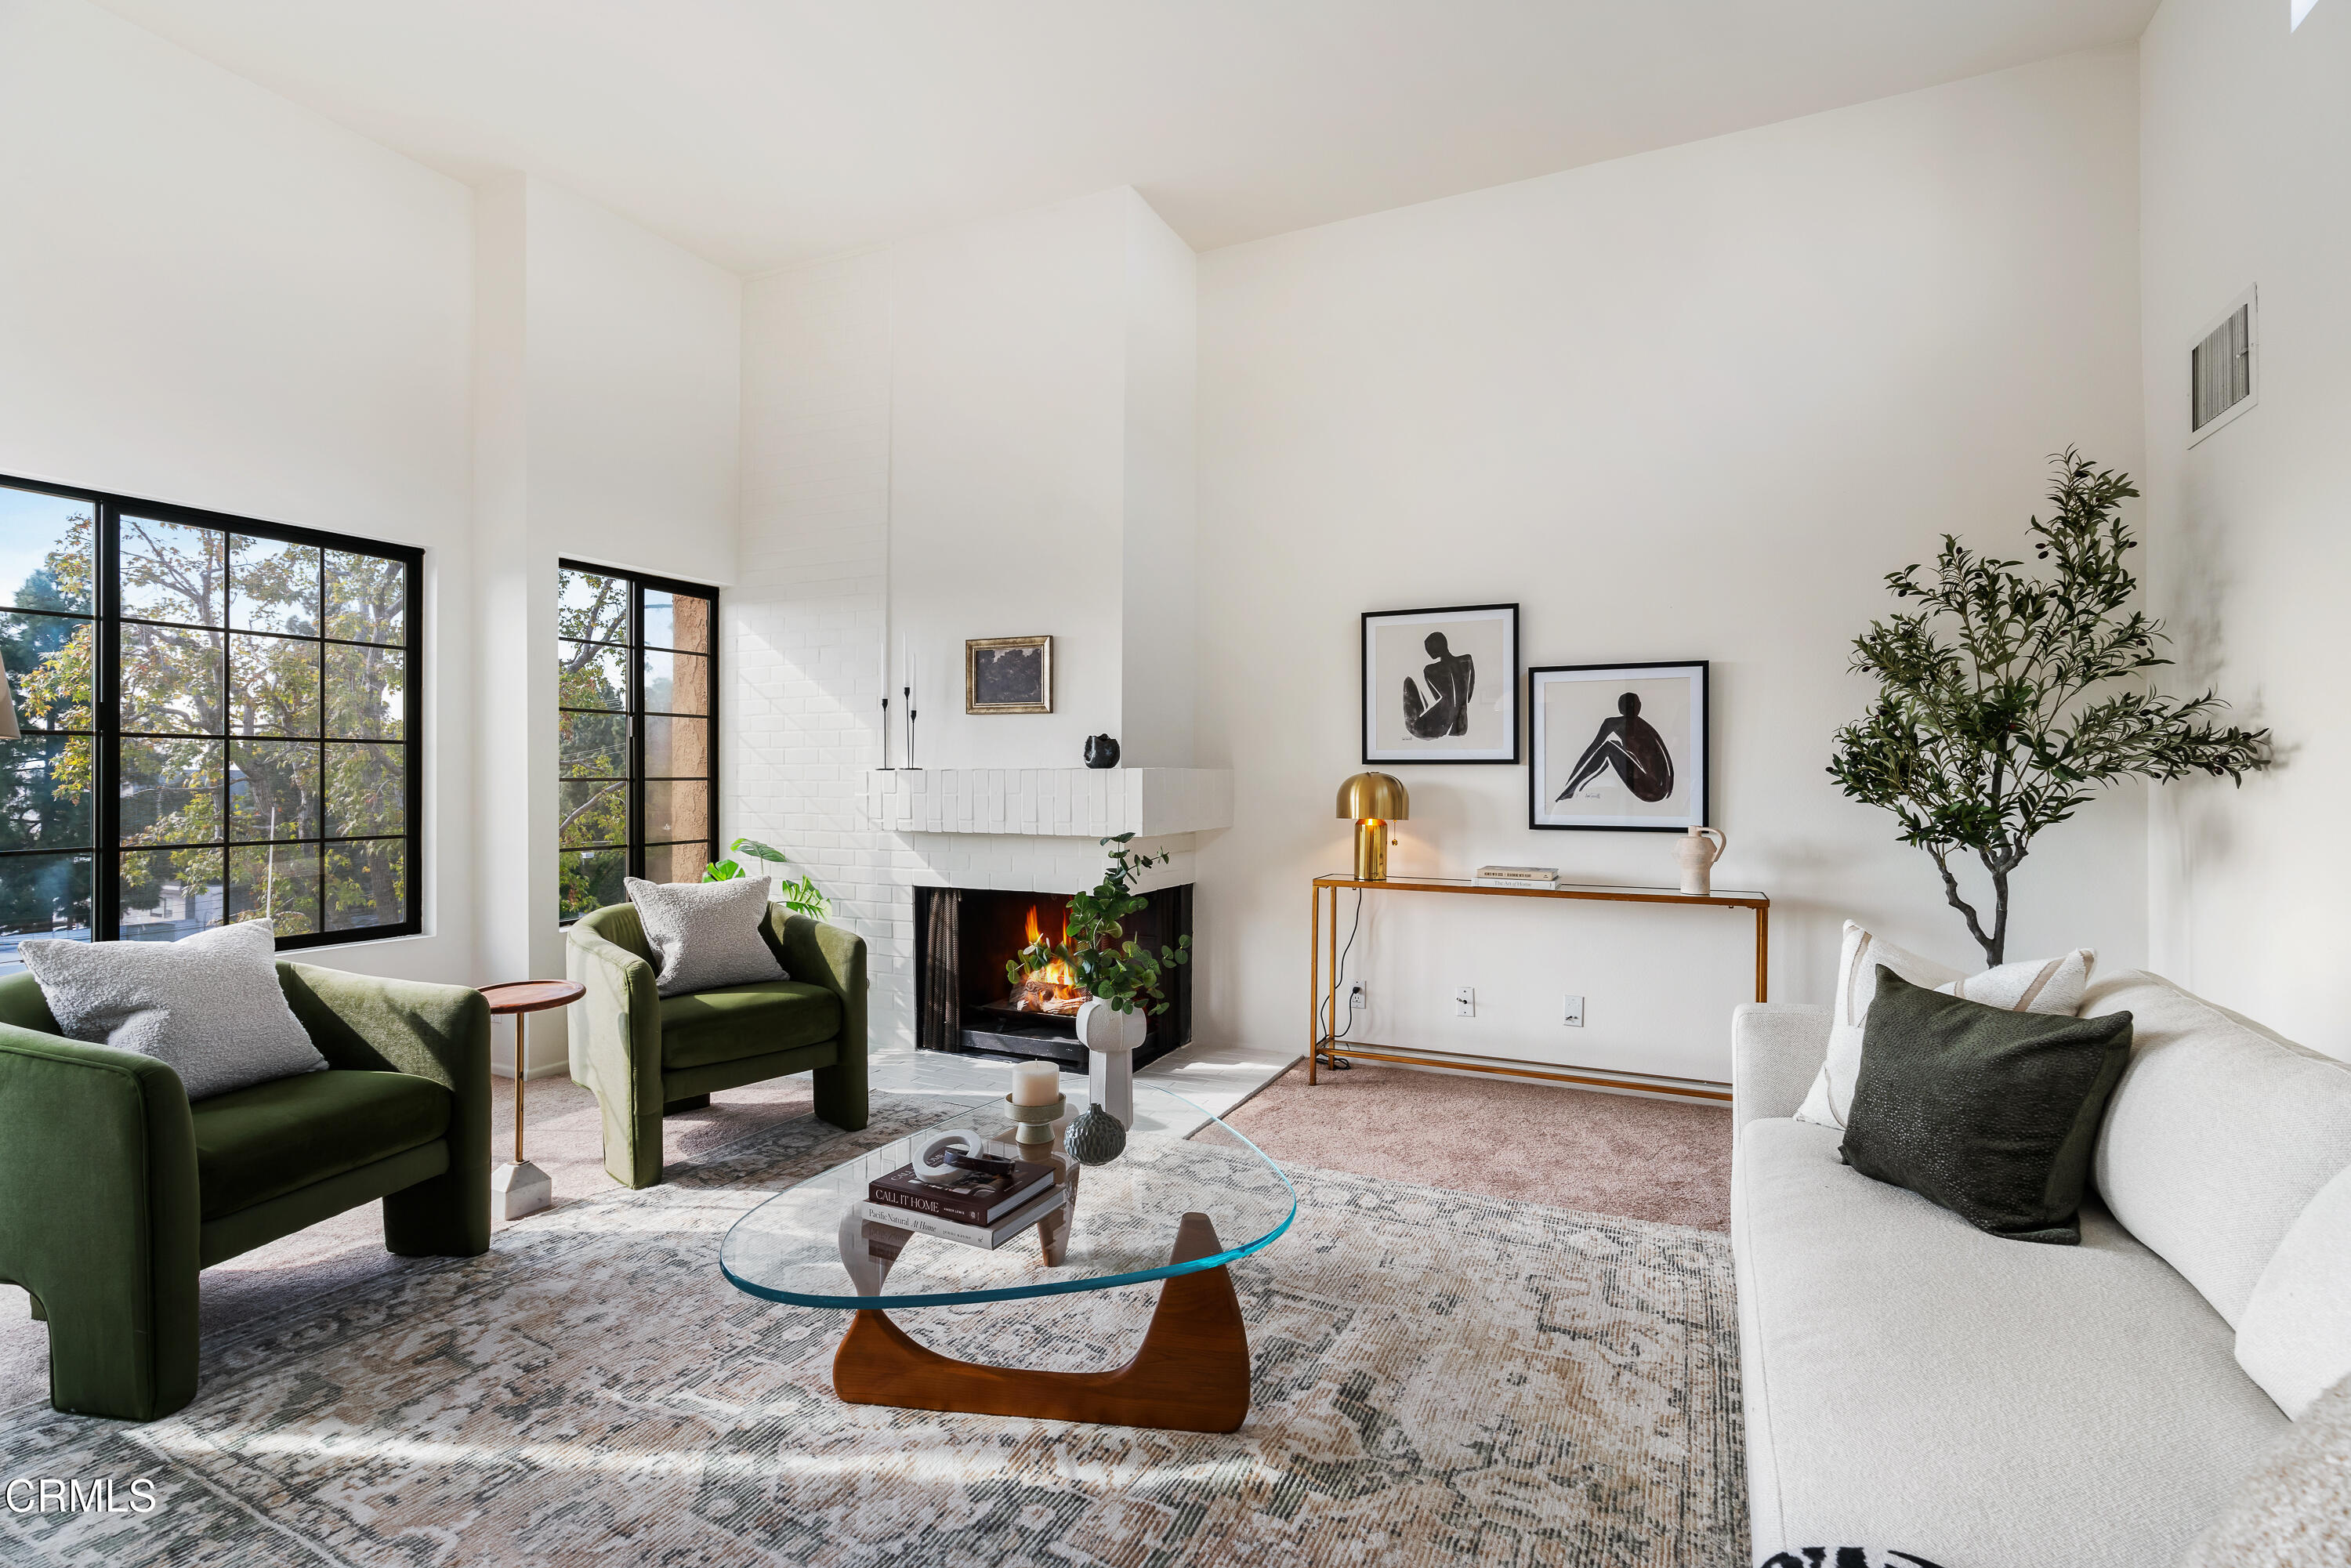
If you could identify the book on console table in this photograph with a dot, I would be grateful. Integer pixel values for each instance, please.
(987, 1237)
(1536, 876)
(971, 1198)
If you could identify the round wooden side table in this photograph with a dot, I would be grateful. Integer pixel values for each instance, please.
(522, 1188)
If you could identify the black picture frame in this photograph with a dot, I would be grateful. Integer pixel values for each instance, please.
(1406, 684)
(1700, 739)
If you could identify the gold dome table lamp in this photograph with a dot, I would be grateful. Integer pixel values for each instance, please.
(1373, 800)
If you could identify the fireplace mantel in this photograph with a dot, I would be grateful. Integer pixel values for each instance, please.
(1066, 802)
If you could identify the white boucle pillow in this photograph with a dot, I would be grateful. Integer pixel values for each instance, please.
(2293, 1337)
(208, 1006)
(706, 934)
(2038, 985)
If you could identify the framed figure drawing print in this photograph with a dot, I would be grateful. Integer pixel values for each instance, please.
(1441, 686)
(1618, 746)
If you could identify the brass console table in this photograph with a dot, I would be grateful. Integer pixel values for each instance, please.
(1322, 996)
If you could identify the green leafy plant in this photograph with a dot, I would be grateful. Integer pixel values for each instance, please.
(1101, 958)
(1997, 715)
(799, 894)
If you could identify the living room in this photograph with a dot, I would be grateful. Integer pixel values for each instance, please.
(758, 613)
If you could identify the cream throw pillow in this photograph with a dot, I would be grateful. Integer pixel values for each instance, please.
(2041, 986)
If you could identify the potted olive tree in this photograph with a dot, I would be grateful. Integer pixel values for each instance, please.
(2006, 701)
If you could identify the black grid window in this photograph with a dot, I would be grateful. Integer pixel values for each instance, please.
(637, 747)
(219, 722)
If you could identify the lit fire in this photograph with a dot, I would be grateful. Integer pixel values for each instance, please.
(1052, 988)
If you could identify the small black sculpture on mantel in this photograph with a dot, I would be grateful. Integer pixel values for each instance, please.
(1101, 751)
(1095, 1138)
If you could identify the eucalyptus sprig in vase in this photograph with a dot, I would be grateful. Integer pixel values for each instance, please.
(1125, 981)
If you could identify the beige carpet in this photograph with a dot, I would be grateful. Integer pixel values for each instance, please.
(1542, 1143)
(1440, 1378)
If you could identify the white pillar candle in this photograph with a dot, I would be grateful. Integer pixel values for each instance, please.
(1036, 1083)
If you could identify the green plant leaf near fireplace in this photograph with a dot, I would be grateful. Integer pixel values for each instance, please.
(1102, 959)
(799, 894)
(2006, 701)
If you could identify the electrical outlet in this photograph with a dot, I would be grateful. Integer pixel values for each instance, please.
(1464, 1002)
(1356, 1001)
(1573, 1015)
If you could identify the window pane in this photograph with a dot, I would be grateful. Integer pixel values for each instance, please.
(166, 894)
(677, 683)
(591, 813)
(591, 676)
(171, 681)
(273, 790)
(592, 745)
(677, 748)
(277, 882)
(590, 880)
(367, 884)
(367, 598)
(591, 607)
(367, 789)
(273, 684)
(42, 895)
(172, 571)
(45, 543)
(678, 621)
(170, 792)
(47, 660)
(45, 795)
(366, 692)
(677, 811)
(675, 862)
(273, 587)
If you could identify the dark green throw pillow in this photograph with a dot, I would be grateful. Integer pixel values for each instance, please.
(1990, 1113)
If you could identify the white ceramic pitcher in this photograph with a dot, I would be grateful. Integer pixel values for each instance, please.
(1698, 854)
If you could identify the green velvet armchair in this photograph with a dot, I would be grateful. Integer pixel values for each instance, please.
(115, 1191)
(645, 1055)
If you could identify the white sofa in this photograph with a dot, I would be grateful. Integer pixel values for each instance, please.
(1913, 1383)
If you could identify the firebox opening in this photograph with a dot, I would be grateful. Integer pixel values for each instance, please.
(965, 938)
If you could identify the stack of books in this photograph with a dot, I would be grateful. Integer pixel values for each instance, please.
(1536, 876)
(977, 1211)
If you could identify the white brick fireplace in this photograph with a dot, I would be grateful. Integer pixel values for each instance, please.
(986, 433)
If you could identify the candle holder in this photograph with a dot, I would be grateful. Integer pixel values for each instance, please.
(1035, 1123)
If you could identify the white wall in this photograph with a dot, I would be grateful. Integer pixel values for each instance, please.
(2246, 164)
(1007, 357)
(986, 432)
(609, 374)
(211, 297)
(1158, 667)
(1689, 404)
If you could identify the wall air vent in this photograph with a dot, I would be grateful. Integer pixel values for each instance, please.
(2222, 371)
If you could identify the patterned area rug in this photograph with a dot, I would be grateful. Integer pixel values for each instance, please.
(1440, 1378)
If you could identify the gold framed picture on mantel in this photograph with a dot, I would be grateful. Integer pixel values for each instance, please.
(1007, 674)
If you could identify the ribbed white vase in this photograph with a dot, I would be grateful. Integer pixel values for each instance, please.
(1110, 1039)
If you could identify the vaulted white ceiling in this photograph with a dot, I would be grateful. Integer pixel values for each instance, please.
(762, 132)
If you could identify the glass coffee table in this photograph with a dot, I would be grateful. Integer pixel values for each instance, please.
(1168, 1207)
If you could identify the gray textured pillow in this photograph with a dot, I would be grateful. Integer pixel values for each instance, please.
(208, 1007)
(706, 934)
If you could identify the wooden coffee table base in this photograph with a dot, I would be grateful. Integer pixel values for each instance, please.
(1192, 1373)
